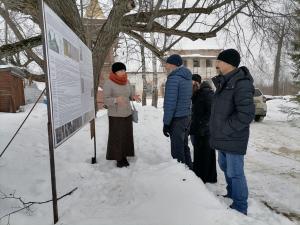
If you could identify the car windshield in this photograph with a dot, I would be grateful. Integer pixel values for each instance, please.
(257, 93)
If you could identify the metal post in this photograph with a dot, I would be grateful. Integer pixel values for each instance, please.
(93, 134)
(50, 133)
(52, 169)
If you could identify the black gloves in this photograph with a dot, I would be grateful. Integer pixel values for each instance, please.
(166, 130)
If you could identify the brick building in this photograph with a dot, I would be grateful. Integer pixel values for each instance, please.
(11, 88)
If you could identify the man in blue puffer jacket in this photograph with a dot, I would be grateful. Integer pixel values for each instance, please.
(177, 108)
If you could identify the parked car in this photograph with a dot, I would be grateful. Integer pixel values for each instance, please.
(260, 105)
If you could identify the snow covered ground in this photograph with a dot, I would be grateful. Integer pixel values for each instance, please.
(155, 189)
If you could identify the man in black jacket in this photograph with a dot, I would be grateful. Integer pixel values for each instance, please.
(231, 114)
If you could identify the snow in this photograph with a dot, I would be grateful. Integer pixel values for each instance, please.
(40, 85)
(155, 189)
(198, 55)
(4, 66)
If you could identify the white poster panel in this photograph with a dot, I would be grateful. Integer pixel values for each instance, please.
(70, 78)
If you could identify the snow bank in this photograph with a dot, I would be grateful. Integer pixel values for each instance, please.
(154, 190)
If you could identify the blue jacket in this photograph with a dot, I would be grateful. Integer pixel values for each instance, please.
(232, 111)
(178, 93)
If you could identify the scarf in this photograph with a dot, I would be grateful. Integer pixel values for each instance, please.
(121, 80)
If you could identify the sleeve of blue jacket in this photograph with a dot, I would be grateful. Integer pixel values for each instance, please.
(170, 101)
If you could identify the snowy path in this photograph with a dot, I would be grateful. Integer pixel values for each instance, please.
(154, 190)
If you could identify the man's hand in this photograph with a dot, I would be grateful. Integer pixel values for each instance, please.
(166, 130)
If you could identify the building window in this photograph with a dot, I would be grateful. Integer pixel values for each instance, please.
(184, 62)
(196, 63)
(209, 63)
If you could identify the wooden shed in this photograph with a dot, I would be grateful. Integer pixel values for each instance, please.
(11, 88)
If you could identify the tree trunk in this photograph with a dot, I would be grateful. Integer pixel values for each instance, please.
(154, 66)
(144, 95)
(277, 62)
(6, 37)
(81, 9)
(106, 37)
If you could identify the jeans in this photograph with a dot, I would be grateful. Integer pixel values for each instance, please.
(233, 167)
(179, 132)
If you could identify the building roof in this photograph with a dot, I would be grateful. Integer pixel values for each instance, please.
(16, 71)
(94, 11)
(196, 53)
(198, 56)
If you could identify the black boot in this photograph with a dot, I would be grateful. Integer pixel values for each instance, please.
(126, 163)
(122, 163)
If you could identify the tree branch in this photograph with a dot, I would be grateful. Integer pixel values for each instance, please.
(66, 10)
(18, 34)
(184, 16)
(152, 48)
(154, 14)
(178, 39)
(27, 7)
(35, 77)
(145, 16)
(231, 17)
(26, 44)
(26, 205)
(156, 27)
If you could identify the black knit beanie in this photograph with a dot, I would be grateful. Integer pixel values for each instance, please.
(196, 77)
(230, 56)
(174, 60)
(117, 66)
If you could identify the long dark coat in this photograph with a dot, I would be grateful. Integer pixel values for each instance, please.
(204, 156)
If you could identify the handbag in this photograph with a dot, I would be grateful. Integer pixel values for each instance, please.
(135, 116)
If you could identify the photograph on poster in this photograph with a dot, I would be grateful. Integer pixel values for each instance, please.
(71, 51)
(52, 41)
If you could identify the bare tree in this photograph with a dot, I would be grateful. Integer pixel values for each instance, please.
(144, 94)
(273, 32)
(155, 80)
(220, 12)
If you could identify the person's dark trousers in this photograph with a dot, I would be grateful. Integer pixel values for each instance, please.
(192, 137)
(233, 167)
(204, 164)
(179, 132)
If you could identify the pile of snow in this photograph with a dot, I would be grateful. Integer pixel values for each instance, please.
(154, 190)
(283, 109)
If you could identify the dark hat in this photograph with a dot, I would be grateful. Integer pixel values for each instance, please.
(196, 77)
(117, 66)
(230, 56)
(174, 60)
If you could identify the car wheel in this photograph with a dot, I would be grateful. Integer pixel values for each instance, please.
(259, 118)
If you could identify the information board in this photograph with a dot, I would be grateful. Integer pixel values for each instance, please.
(70, 78)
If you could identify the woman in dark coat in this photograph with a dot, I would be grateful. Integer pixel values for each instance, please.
(204, 164)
